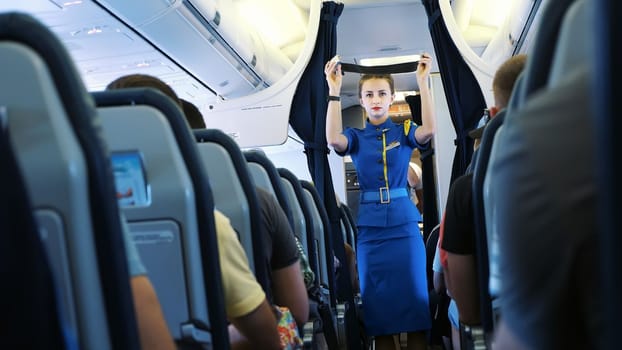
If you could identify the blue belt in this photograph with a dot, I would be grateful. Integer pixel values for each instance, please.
(383, 195)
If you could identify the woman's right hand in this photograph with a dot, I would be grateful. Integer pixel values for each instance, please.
(332, 70)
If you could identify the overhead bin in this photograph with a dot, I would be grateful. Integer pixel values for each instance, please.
(486, 41)
(267, 60)
(255, 80)
(209, 39)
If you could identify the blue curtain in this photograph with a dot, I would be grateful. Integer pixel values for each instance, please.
(308, 119)
(430, 209)
(464, 97)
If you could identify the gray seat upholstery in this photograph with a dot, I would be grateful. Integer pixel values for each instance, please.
(229, 196)
(571, 52)
(347, 226)
(546, 203)
(267, 176)
(483, 236)
(300, 229)
(53, 128)
(310, 243)
(174, 231)
(235, 195)
(330, 309)
(24, 263)
(318, 239)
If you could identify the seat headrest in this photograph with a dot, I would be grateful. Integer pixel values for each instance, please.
(538, 65)
(573, 46)
(517, 95)
(27, 30)
(259, 156)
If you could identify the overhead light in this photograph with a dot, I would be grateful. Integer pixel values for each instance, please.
(71, 3)
(383, 61)
(89, 30)
(94, 30)
(66, 3)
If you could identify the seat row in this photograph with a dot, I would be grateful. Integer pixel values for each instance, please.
(92, 162)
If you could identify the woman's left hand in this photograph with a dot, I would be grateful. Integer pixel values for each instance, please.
(424, 66)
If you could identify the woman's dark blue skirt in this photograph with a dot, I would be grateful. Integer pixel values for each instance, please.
(392, 274)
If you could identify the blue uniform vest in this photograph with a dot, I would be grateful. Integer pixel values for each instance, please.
(366, 146)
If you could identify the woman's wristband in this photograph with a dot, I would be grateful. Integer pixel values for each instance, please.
(333, 98)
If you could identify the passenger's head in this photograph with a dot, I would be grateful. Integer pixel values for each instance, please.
(193, 115)
(143, 80)
(414, 175)
(504, 79)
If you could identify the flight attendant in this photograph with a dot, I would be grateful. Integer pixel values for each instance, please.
(390, 249)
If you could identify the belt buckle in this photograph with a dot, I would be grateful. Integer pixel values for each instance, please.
(382, 197)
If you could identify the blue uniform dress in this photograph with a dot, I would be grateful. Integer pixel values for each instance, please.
(390, 251)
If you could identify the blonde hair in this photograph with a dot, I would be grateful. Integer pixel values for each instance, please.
(505, 77)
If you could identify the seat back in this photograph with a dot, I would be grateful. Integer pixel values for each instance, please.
(54, 131)
(169, 209)
(266, 176)
(321, 231)
(491, 281)
(532, 79)
(342, 225)
(318, 241)
(347, 225)
(482, 234)
(569, 35)
(538, 66)
(289, 182)
(538, 194)
(352, 223)
(430, 250)
(234, 195)
(24, 263)
(310, 243)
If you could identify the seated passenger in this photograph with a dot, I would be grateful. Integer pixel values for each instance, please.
(459, 226)
(352, 268)
(143, 80)
(152, 328)
(286, 272)
(415, 185)
(439, 272)
(193, 115)
(441, 324)
(252, 318)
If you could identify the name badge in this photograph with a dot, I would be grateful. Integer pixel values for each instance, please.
(393, 145)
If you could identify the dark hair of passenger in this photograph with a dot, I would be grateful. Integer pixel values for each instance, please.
(193, 115)
(367, 77)
(143, 80)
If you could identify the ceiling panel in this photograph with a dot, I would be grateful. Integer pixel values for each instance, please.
(366, 30)
(104, 48)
